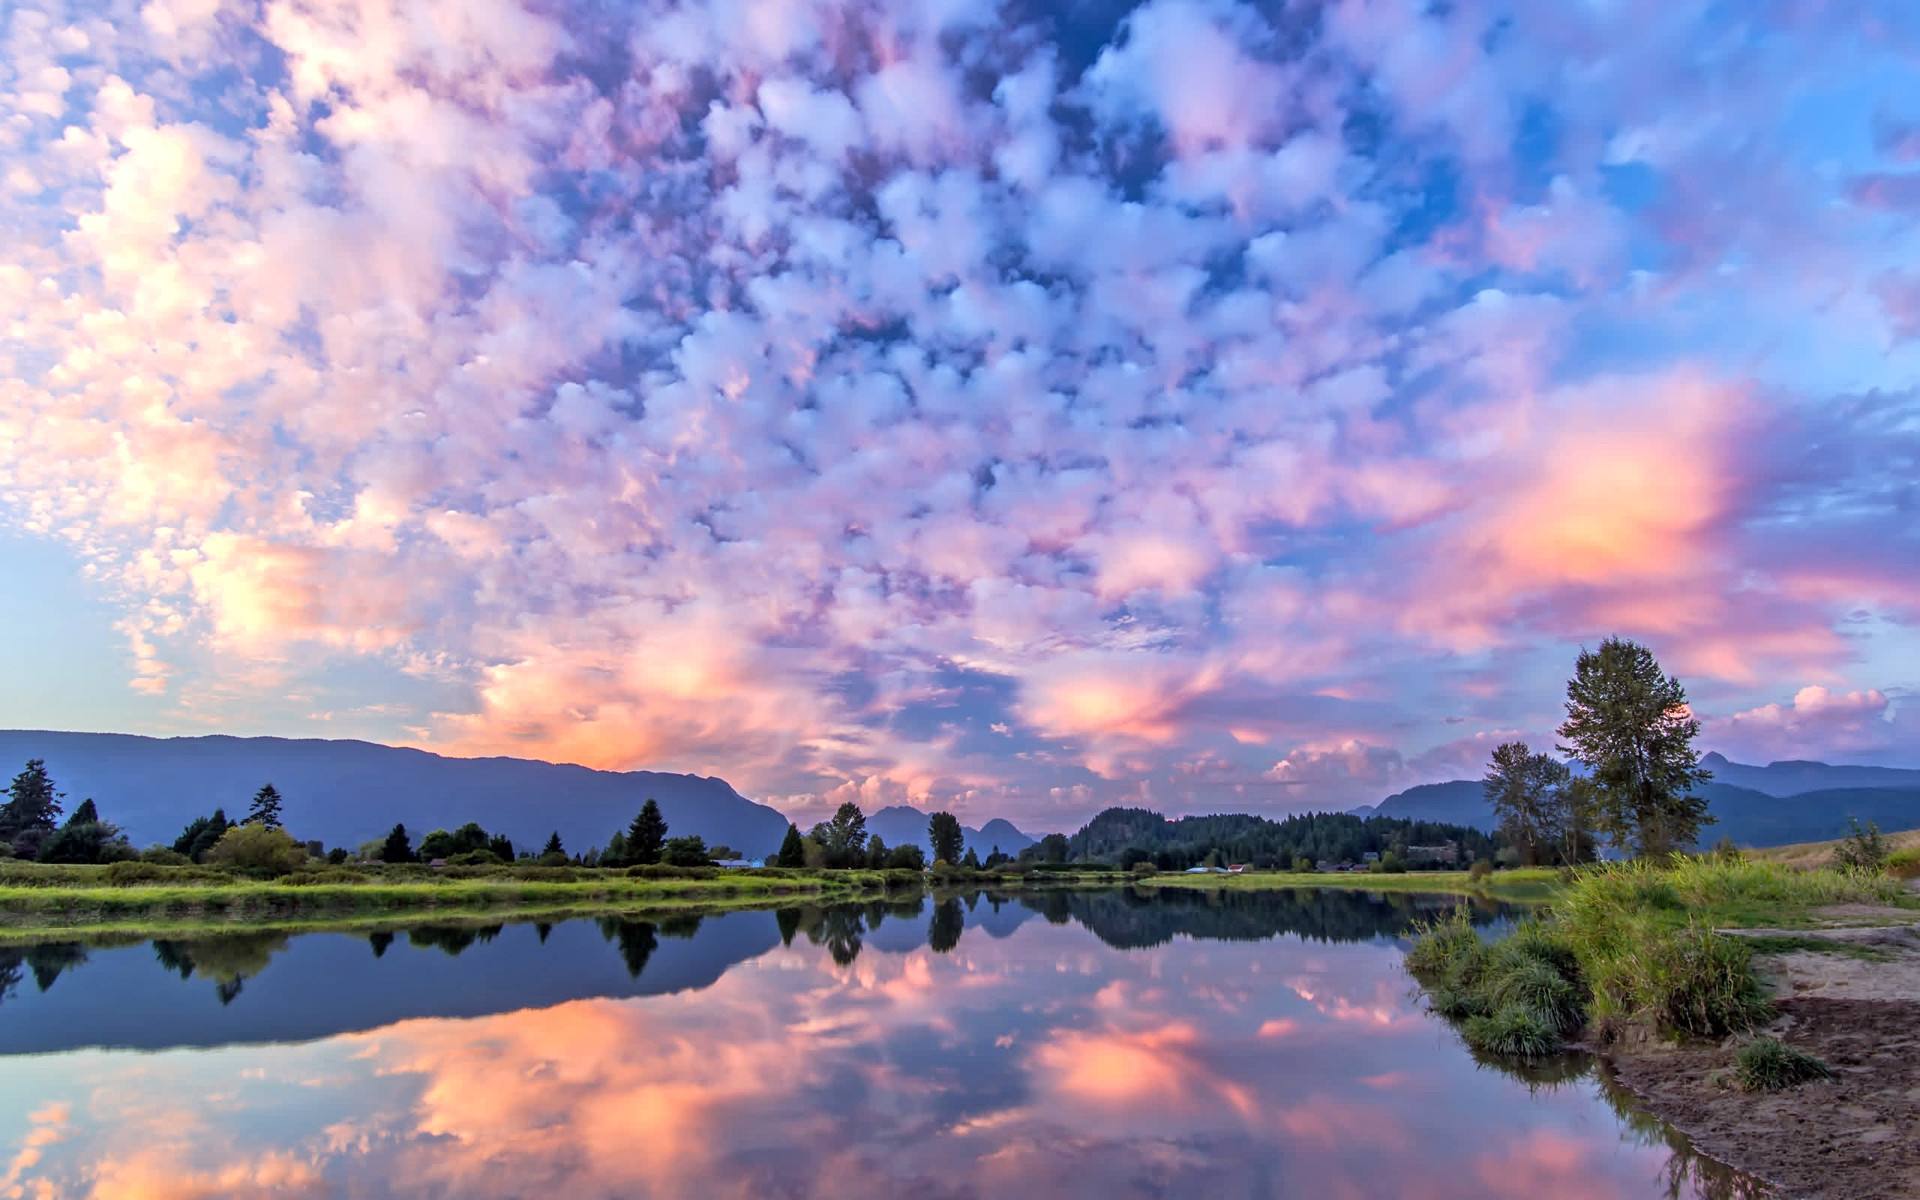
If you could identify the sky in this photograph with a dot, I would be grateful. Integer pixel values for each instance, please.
(1014, 408)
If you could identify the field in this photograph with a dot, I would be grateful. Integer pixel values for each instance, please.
(1533, 885)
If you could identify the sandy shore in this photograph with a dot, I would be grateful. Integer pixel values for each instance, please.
(1851, 1138)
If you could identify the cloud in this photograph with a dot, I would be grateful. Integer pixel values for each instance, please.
(1816, 721)
(797, 393)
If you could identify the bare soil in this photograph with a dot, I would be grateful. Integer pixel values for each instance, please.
(1850, 1138)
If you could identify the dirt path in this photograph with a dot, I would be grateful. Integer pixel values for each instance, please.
(1850, 1138)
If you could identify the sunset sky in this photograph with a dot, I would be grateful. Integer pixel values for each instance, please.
(1017, 408)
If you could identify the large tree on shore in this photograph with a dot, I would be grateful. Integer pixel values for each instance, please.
(647, 834)
(1629, 723)
(1526, 791)
(943, 832)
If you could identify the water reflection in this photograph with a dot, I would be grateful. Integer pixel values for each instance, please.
(959, 1045)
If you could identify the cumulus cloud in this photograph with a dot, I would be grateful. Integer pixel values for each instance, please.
(804, 392)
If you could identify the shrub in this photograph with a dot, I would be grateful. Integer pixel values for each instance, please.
(258, 848)
(1515, 1031)
(127, 874)
(1535, 986)
(1863, 849)
(1768, 1064)
(1142, 869)
(1479, 870)
(1904, 864)
(1691, 981)
(164, 856)
(475, 858)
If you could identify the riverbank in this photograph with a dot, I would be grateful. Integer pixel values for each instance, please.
(66, 900)
(1689, 980)
(1526, 886)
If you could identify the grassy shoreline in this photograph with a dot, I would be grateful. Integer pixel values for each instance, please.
(81, 901)
(1527, 886)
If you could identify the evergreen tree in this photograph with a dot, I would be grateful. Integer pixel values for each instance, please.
(86, 814)
(33, 806)
(202, 835)
(972, 861)
(943, 833)
(647, 835)
(266, 808)
(502, 847)
(876, 851)
(1629, 723)
(397, 848)
(793, 852)
(553, 845)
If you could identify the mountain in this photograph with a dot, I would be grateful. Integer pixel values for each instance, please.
(901, 825)
(1750, 804)
(1362, 811)
(1456, 802)
(1796, 776)
(345, 793)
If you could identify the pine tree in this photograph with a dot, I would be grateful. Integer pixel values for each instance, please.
(397, 848)
(266, 808)
(647, 834)
(553, 845)
(33, 806)
(86, 814)
(1629, 723)
(793, 851)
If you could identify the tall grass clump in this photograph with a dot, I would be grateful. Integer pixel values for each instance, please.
(1768, 1064)
(1519, 998)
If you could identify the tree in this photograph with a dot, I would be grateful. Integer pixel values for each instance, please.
(972, 861)
(86, 814)
(907, 858)
(1303, 865)
(1527, 794)
(266, 808)
(1629, 723)
(553, 845)
(793, 851)
(437, 844)
(258, 847)
(502, 847)
(844, 837)
(647, 835)
(397, 848)
(876, 851)
(943, 833)
(202, 835)
(1051, 848)
(686, 852)
(33, 806)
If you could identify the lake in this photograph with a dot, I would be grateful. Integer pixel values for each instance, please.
(1047, 1044)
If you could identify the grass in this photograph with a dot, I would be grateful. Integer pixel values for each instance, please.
(1522, 886)
(1786, 943)
(1627, 943)
(1768, 1064)
(1904, 861)
(131, 897)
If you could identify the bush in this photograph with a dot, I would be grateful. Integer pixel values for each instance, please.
(475, 858)
(1863, 849)
(1142, 869)
(1514, 1031)
(1479, 870)
(127, 874)
(258, 848)
(164, 856)
(1768, 1064)
(1904, 864)
(324, 875)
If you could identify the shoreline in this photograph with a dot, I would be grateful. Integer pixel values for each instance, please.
(73, 904)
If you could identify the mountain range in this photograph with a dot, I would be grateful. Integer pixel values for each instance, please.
(345, 792)
(1772, 805)
(348, 792)
(901, 825)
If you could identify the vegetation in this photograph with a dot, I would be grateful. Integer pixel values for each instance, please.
(945, 836)
(265, 809)
(1628, 723)
(1626, 943)
(1543, 812)
(1863, 849)
(1125, 836)
(1768, 1064)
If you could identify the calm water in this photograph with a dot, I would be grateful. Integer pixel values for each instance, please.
(1051, 1045)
